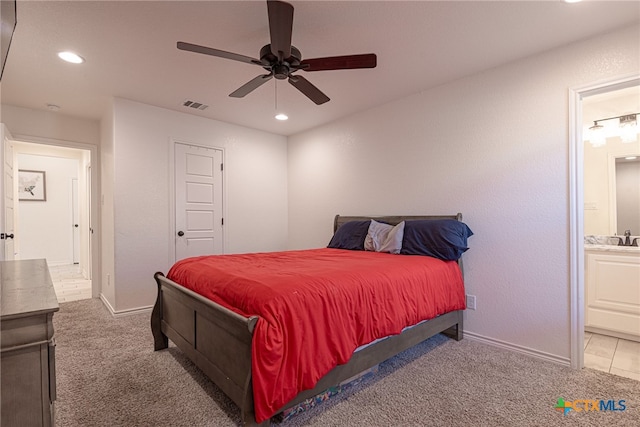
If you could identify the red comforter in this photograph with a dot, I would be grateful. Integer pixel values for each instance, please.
(317, 306)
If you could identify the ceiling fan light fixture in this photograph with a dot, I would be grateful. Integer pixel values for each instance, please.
(280, 59)
(282, 117)
(71, 57)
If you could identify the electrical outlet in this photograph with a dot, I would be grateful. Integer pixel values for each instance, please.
(471, 302)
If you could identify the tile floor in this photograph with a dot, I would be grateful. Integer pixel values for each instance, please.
(69, 283)
(613, 355)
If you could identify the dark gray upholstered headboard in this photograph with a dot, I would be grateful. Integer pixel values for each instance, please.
(390, 219)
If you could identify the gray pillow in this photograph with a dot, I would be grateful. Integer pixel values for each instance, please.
(384, 237)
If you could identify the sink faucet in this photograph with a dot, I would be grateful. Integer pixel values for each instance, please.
(627, 237)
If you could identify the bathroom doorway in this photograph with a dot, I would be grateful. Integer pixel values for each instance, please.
(605, 136)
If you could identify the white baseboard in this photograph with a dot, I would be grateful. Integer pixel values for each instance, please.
(59, 263)
(519, 349)
(128, 312)
(599, 331)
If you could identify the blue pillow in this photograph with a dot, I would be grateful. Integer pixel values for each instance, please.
(445, 239)
(350, 235)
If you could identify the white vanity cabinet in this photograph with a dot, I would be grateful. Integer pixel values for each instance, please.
(612, 290)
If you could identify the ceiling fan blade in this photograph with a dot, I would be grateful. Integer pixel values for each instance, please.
(348, 62)
(312, 92)
(280, 28)
(217, 52)
(250, 86)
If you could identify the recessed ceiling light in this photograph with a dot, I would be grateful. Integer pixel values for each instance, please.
(282, 116)
(74, 58)
(572, 1)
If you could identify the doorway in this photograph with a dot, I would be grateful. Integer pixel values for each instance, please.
(612, 206)
(590, 215)
(56, 227)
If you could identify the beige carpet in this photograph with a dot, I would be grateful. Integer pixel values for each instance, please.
(109, 375)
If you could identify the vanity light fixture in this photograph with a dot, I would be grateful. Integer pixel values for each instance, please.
(627, 130)
(596, 135)
(71, 57)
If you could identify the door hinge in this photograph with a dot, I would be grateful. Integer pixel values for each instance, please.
(222, 221)
(221, 166)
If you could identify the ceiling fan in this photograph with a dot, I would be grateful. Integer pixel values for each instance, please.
(281, 59)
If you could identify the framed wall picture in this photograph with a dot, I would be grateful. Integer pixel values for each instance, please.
(32, 185)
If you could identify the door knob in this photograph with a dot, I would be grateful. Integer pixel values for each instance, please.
(75, 225)
(180, 233)
(8, 236)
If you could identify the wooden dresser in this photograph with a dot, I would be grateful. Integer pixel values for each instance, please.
(27, 364)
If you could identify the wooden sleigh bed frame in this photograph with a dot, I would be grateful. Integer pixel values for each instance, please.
(218, 340)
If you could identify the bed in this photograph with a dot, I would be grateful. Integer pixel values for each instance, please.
(219, 337)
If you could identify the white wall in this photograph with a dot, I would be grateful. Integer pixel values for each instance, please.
(45, 229)
(493, 146)
(107, 223)
(50, 125)
(255, 183)
(57, 129)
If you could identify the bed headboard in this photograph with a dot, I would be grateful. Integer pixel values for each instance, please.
(392, 219)
(395, 219)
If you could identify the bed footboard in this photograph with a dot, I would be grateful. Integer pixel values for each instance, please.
(216, 339)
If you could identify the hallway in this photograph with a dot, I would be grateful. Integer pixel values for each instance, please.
(69, 283)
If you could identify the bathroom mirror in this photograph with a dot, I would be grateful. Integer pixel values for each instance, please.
(625, 213)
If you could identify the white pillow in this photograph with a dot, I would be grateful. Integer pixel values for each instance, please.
(384, 237)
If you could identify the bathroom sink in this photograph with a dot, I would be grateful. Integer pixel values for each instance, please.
(611, 240)
(602, 240)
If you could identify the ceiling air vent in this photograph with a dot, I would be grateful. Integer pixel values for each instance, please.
(195, 105)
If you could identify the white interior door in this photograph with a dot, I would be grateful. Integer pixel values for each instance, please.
(75, 220)
(7, 198)
(198, 199)
(90, 219)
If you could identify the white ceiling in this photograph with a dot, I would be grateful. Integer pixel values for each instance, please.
(130, 51)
